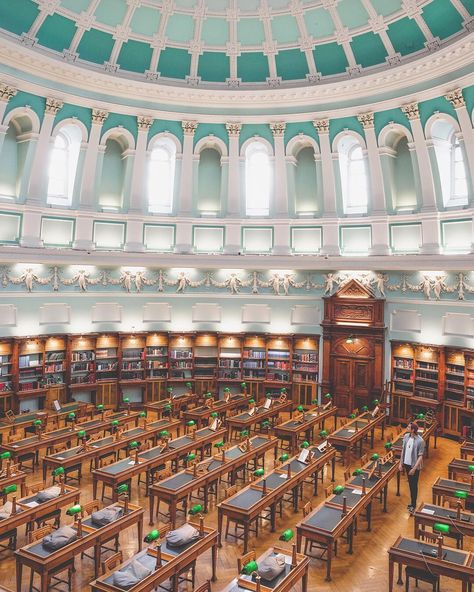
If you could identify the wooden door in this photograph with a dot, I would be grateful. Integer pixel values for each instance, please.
(342, 381)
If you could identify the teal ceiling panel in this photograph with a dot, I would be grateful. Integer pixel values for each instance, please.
(427, 108)
(468, 5)
(117, 120)
(319, 23)
(173, 127)
(76, 6)
(111, 12)
(406, 36)
(303, 127)
(174, 63)
(469, 98)
(96, 46)
(339, 125)
(352, 13)
(57, 32)
(215, 32)
(135, 56)
(145, 21)
(330, 59)
(255, 129)
(211, 129)
(180, 28)
(250, 32)
(386, 7)
(292, 64)
(368, 49)
(18, 16)
(21, 99)
(285, 29)
(253, 67)
(391, 115)
(213, 66)
(442, 18)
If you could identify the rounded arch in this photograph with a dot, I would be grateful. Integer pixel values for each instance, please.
(24, 119)
(121, 135)
(259, 139)
(345, 133)
(299, 142)
(165, 136)
(440, 118)
(75, 122)
(392, 133)
(212, 142)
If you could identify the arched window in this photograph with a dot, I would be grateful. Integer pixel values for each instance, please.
(63, 165)
(451, 164)
(161, 172)
(258, 180)
(354, 183)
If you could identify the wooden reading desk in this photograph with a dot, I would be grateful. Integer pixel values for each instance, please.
(354, 432)
(15, 477)
(176, 402)
(443, 486)
(202, 414)
(429, 514)
(248, 419)
(304, 424)
(425, 431)
(467, 449)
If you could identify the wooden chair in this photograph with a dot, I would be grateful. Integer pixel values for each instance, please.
(53, 579)
(23, 458)
(11, 537)
(230, 492)
(105, 463)
(364, 459)
(87, 510)
(347, 474)
(244, 559)
(452, 503)
(422, 574)
(111, 563)
(206, 587)
(328, 491)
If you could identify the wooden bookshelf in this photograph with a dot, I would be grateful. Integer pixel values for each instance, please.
(55, 369)
(132, 359)
(82, 361)
(181, 361)
(305, 369)
(279, 352)
(29, 381)
(156, 366)
(6, 375)
(254, 364)
(229, 363)
(205, 362)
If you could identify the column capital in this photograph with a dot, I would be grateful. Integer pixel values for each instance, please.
(367, 120)
(7, 92)
(53, 106)
(144, 123)
(411, 110)
(278, 129)
(455, 97)
(189, 127)
(233, 128)
(99, 116)
(321, 125)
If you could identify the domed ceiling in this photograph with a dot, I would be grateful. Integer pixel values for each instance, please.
(236, 43)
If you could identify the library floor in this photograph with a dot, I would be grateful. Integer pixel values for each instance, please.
(366, 570)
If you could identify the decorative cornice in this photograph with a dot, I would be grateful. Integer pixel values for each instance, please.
(233, 128)
(99, 116)
(53, 106)
(411, 110)
(278, 129)
(322, 126)
(189, 127)
(367, 120)
(455, 97)
(7, 92)
(144, 123)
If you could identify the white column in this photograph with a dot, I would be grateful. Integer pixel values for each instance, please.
(281, 182)
(233, 191)
(87, 197)
(84, 231)
(186, 185)
(6, 93)
(430, 230)
(3, 133)
(456, 99)
(39, 170)
(329, 184)
(134, 240)
(379, 205)
(426, 174)
(380, 238)
(31, 229)
(138, 197)
(330, 245)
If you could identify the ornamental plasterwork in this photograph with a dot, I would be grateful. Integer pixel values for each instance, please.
(411, 110)
(53, 106)
(7, 92)
(99, 116)
(430, 286)
(367, 120)
(456, 98)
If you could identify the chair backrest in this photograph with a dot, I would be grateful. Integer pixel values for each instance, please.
(452, 502)
(430, 537)
(206, 587)
(164, 530)
(15, 438)
(39, 533)
(105, 462)
(364, 459)
(232, 490)
(112, 562)
(244, 559)
(307, 509)
(347, 474)
(89, 507)
(35, 487)
(329, 490)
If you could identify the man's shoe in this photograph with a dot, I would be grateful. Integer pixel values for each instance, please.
(411, 509)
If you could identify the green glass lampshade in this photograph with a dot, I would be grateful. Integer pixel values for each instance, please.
(471, 468)
(460, 494)
(133, 444)
(227, 389)
(58, 471)
(152, 536)
(375, 456)
(338, 489)
(164, 433)
(420, 416)
(314, 402)
(284, 457)
(388, 445)
(100, 407)
(300, 408)
(73, 510)
(219, 444)
(37, 423)
(9, 489)
(197, 509)
(191, 456)
(264, 424)
(81, 434)
(268, 395)
(375, 402)
(208, 395)
(364, 409)
(126, 400)
(71, 416)
(304, 444)
(115, 423)
(251, 400)
(244, 433)
(283, 390)
(121, 489)
(170, 389)
(190, 423)
(442, 528)
(5, 455)
(243, 385)
(249, 568)
(167, 407)
(142, 414)
(352, 416)
(189, 385)
(259, 472)
(286, 535)
(214, 414)
(328, 396)
(323, 433)
(357, 472)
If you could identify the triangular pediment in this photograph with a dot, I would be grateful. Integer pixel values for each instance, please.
(354, 289)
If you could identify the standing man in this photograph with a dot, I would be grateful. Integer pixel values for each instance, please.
(411, 459)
